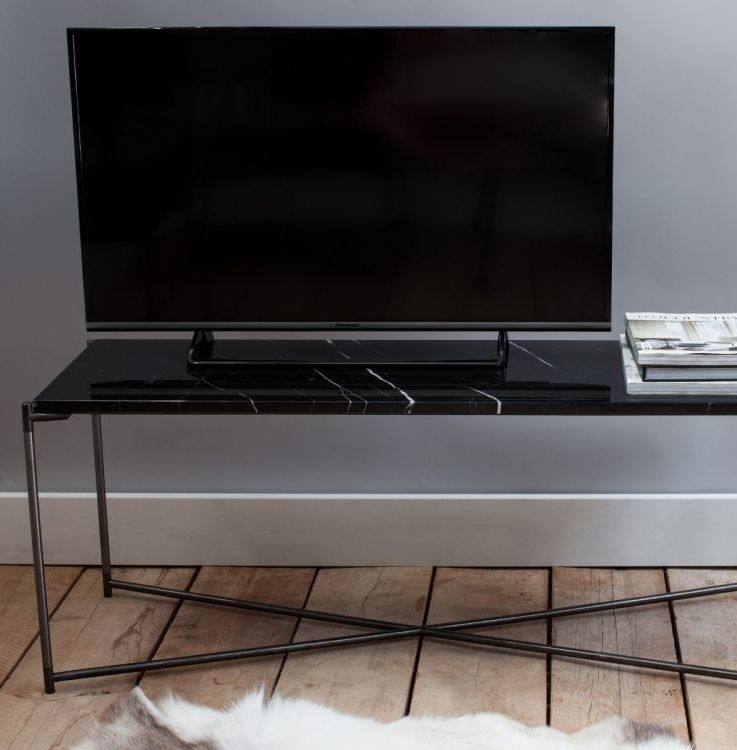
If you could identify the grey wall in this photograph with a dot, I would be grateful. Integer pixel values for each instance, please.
(675, 248)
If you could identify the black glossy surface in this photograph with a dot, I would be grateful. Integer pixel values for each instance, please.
(543, 377)
(381, 176)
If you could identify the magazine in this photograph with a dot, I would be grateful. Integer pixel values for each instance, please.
(671, 339)
(636, 386)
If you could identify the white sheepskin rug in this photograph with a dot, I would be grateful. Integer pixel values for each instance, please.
(136, 722)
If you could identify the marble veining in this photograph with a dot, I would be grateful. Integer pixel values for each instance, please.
(337, 348)
(225, 390)
(410, 400)
(488, 395)
(527, 351)
(343, 391)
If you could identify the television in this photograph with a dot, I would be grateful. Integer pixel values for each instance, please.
(344, 178)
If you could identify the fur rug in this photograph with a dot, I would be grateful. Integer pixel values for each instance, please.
(136, 722)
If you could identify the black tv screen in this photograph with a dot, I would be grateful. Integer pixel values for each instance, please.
(356, 177)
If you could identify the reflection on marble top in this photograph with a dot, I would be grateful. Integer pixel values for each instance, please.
(542, 377)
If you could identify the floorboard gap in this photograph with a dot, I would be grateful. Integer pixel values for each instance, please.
(34, 638)
(297, 621)
(679, 658)
(170, 620)
(549, 657)
(426, 612)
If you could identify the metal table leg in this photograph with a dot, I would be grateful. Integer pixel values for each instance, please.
(34, 513)
(101, 505)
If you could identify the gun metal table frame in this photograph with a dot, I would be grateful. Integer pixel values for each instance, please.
(129, 377)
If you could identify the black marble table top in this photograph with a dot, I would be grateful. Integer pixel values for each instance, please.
(542, 377)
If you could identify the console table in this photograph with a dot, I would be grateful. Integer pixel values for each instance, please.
(151, 377)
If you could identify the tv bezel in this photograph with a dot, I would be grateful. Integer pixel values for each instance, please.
(605, 325)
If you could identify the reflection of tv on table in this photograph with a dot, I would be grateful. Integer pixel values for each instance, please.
(344, 178)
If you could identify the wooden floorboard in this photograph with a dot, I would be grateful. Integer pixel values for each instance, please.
(379, 680)
(584, 693)
(198, 628)
(369, 680)
(18, 613)
(87, 630)
(454, 678)
(706, 629)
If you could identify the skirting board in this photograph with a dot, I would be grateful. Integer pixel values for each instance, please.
(312, 529)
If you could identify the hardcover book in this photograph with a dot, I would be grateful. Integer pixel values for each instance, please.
(683, 340)
(636, 386)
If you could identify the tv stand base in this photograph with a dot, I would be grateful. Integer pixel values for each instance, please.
(228, 355)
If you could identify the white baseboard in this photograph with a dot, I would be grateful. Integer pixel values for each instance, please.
(311, 529)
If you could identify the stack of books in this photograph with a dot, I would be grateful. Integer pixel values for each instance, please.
(680, 354)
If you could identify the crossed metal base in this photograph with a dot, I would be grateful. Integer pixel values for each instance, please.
(382, 630)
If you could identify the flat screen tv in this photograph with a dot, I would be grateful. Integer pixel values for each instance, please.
(323, 178)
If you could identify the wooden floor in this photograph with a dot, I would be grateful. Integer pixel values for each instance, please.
(384, 681)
